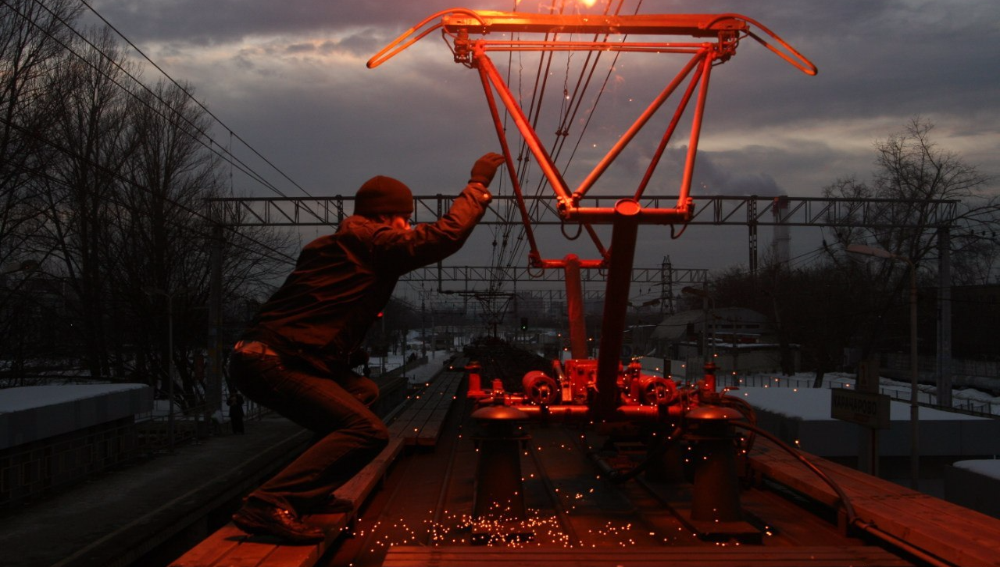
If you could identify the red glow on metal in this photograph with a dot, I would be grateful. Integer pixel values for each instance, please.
(717, 37)
(602, 386)
(475, 380)
(708, 382)
(623, 236)
(574, 307)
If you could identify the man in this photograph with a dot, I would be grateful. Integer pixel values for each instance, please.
(235, 402)
(297, 355)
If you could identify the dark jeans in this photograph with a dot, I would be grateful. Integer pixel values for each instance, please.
(336, 407)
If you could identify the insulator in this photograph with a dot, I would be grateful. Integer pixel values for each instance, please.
(540, 388)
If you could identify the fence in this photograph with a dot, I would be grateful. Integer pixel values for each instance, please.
(50, 465)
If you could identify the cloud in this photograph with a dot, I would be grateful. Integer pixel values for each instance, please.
(300, 48)
(201, 22)
(360, 44)
(722, 173)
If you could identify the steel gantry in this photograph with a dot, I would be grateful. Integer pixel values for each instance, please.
(331, 211)
(707, 210)
(665, 278)
(711, 210)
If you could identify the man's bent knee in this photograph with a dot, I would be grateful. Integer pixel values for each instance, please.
(380, 436)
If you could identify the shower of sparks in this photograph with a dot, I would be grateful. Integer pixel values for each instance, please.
(500, 528)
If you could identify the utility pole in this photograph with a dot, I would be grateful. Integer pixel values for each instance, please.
(170, 368)
(213, 395)
(944, 378)
(666, 287)
(170, 355)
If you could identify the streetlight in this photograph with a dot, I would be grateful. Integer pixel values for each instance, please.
(914, 407)
(170, 354)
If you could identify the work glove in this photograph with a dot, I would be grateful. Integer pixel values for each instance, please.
(485, 168)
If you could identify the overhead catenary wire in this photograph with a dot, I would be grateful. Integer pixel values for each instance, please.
(501, 234)
(575, 103)
(571, 102)
(505, 252)
(534, 112)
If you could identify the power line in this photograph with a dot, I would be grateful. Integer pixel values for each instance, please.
(211, 146)
(222, 152)
(116, 175)
(196, 101)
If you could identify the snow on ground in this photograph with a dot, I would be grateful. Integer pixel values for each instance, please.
(814, 404)
(990, 467)
(795, 397)
(419, 374)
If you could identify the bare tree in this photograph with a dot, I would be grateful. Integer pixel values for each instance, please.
(31, 37)
(91, 133)
(817, 307)
(104, 182)
(158, 235)
(977, 261)
(911, 169)
(913, 172)
(165, 234)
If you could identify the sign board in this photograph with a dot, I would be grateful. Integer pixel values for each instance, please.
(863, 408)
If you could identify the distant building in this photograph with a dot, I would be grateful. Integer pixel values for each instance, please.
(738, 340)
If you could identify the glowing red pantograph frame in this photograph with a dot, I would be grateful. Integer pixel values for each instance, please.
(720, 35)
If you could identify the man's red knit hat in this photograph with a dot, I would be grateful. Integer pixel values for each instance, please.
(383, 195)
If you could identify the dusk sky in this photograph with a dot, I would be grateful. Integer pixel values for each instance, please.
(289, 77)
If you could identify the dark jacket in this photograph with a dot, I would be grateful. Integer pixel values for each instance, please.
(321, 314)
